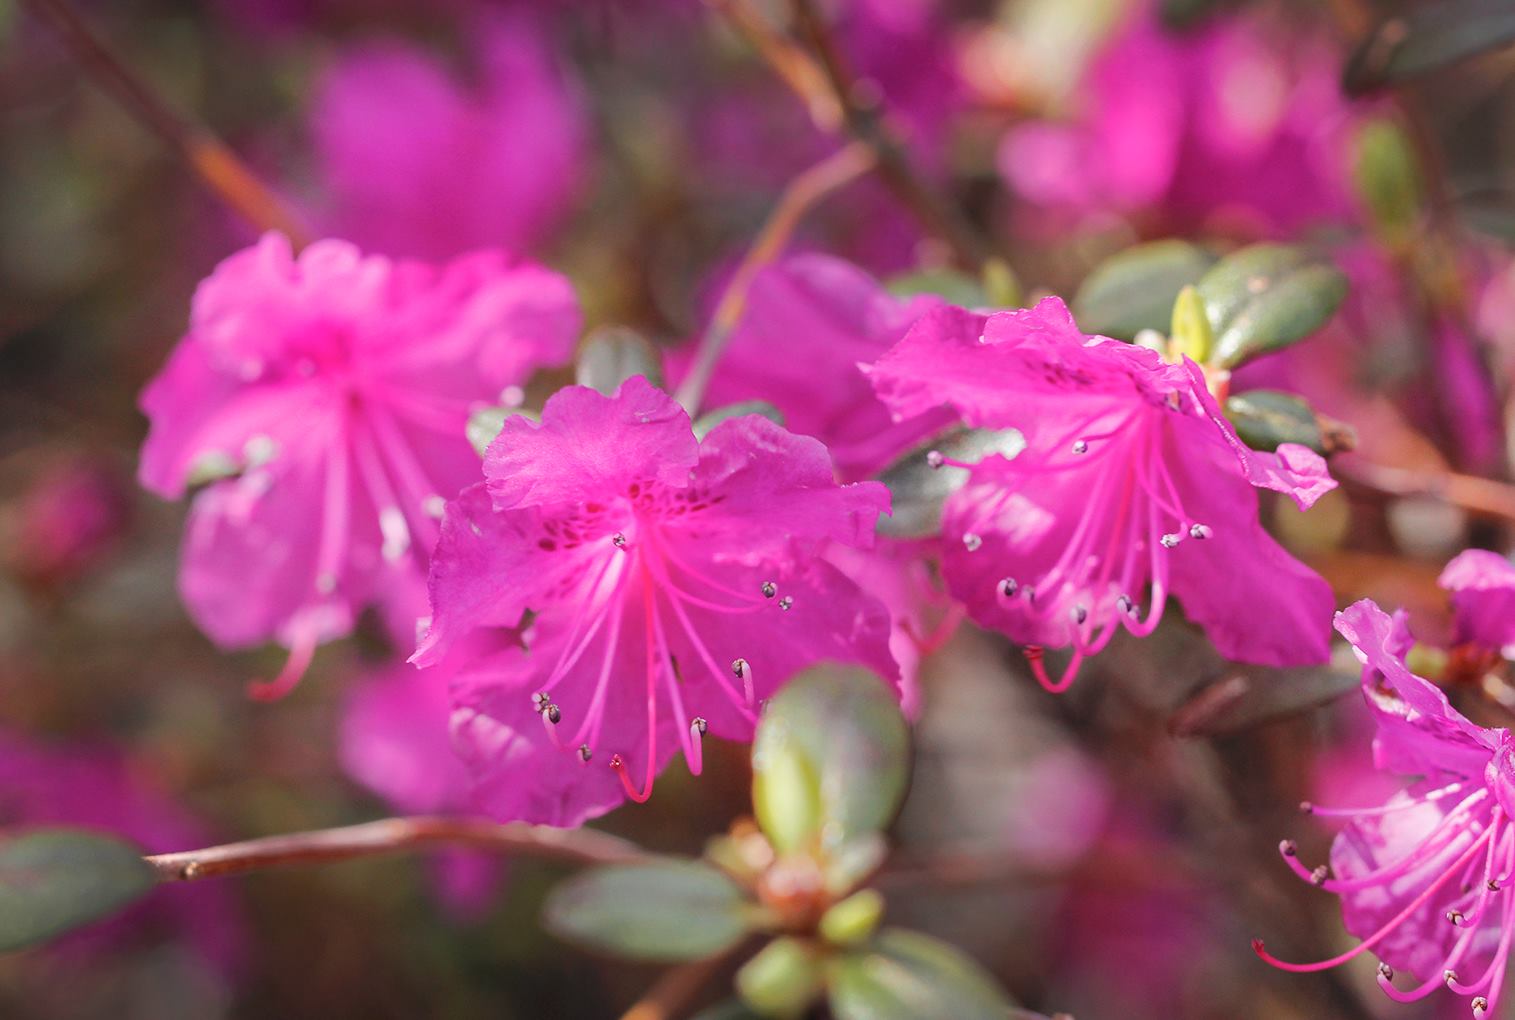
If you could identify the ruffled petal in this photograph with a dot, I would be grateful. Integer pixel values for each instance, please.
(1482, 584)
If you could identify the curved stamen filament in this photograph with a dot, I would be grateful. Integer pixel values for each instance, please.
(301, 651)
(1385, 809)
(1419, 901)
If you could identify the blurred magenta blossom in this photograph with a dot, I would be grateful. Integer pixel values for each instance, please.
(1423, 878)
(674, 582)
(1131, 478)
(67, 520)
(1237, 123)
(415, 160)
(323, 399)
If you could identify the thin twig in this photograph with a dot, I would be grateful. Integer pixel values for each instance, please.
(215, 165)
(798, 198)
(392, 835)
(1481, 496)
(826, 89)
(670, 995)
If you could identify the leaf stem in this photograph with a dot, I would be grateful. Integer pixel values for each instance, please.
(394, 835)
(212, 162)
(798, 198)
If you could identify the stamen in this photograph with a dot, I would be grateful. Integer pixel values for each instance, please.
(786, 602)
(695, 752)
(742, 670)
(395, 533)
(972, 542)
(301, 652)
(1378, 936)
(769, 589)
(619, 767)
(1171, 540)
(1079, 446)
(1080, 614)
(618, 540)
(1034, 656)
(1200, 531)
(1008, 587)
(585, 753)
(934, 459)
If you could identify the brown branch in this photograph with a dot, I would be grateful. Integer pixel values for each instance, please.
(798, 198)
(670, 996)
(836, 107)
(393, 835)
(1481, 496)
(213, 164)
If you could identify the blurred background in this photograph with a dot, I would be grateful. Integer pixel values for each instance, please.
(1107, 854)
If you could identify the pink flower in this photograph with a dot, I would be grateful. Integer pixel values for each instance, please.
(416, 163)
(1238, 120)
(674, 583)
(1423, 878)
(333, 389)
(67, 520)
(1482, 584)
(811, 322)
(1131, 477)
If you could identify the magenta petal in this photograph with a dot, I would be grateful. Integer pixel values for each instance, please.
(395, 740)
(591, 447)
(1419, 732)
(1482, 584)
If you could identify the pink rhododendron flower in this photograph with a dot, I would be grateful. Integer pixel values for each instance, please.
(810, 323)
(1423, 878)
(335, 388)
(1235, 119)
(1482, 584)
(674, 584)
(1131, 478)
(416, 163)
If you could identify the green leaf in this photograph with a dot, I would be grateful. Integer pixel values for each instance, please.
(1387, 175)
(55, 880)
(1267, 296)
(666, 910)
(1135, 289)
(918, 490)
(1266, 419)
(705, 422)
(484, 424)
(830, 759)
(948, 284)
(1244, 696)
(1431, 36)
(782, 979)
(613, 354)
(854, 919)
(905, 976)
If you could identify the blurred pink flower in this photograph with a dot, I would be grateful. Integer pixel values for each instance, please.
(1131, 477)
(1482, 584)
(94, 786)
(1423, 879)
(327, 395)
(415, 162)
(1237, 120)
(67, 520)
(810, 323)
(674, 583)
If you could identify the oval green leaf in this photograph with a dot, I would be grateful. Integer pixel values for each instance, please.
(1266, 419)
(667, 910)
(1245, 696)
(904, 975)
(1266, 297)
(55, 880)
(830, 759)
(1135, 289)
(613, 354)
(917, 490)
(705, 422)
